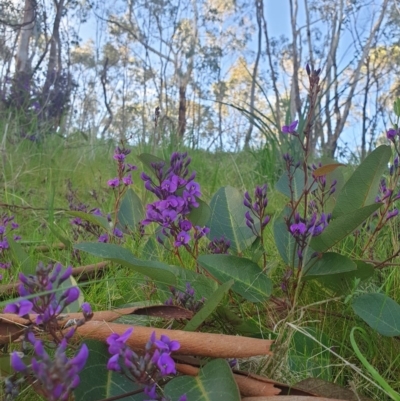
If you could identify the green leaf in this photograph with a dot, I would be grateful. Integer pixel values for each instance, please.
(91, 218)
(214, 382)
(60, 235)
(228, 219)
(21, 257)
(131, 212)
(380, 312)
(98, 383)
(396, 107)
(297, 184)
(362, 187)
(155, 270)
(307, 357)
(209, 306)
(147, 159)
(342, 283)
(330, 263)
(250, 282)
(204, 286)
(284, 241)
(5, 366)
(199, 216)
(244, 327)
(341, 227)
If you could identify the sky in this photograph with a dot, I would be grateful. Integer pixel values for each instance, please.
(277, 13)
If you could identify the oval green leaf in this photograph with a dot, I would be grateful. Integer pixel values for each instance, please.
(153, 269)
(209, 306)
(131, 212)
(250, 282)
(214, 382)
(341, 227)
(228, 219)
(380, 312)
(362, 187)
(330, 263)
(199, 216)
(99, 383)
(342, 283)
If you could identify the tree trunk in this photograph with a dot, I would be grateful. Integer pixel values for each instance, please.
(254, 77)
(22, 76)
(54, 64)
(22, 61)
(182, 112)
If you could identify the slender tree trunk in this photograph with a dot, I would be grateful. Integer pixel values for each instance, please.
(22, 76)
(364, 112)
(54, 65)
(332, 143)
(182, 112)
(278, 118)
(22, 61)
(247, 140)
(295, 102)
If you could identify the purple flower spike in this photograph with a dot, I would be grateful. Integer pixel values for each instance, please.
(291, 128)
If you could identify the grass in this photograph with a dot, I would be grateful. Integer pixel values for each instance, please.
(34, 184)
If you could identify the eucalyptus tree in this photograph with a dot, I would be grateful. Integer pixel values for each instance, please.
(337, 37)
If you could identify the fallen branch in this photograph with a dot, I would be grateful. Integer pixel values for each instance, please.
(197, 344)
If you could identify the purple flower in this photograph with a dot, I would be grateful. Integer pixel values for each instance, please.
(166, 364)
(165, 344)
(21, 308)
(118, 233)
(116, 341)
(391, 134)
(103, 238)
(70, 295)
(291, 128)
(182, 239)
(185, 225)
(151, 391)
(57, 376)
(120, 157)
(392, 214)
(193, 188)
(16, 362)
(298, 229)
(86, 309)
(200, 232)
(219, 245)
(113, 183)
(171, 184)
(127, 180)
